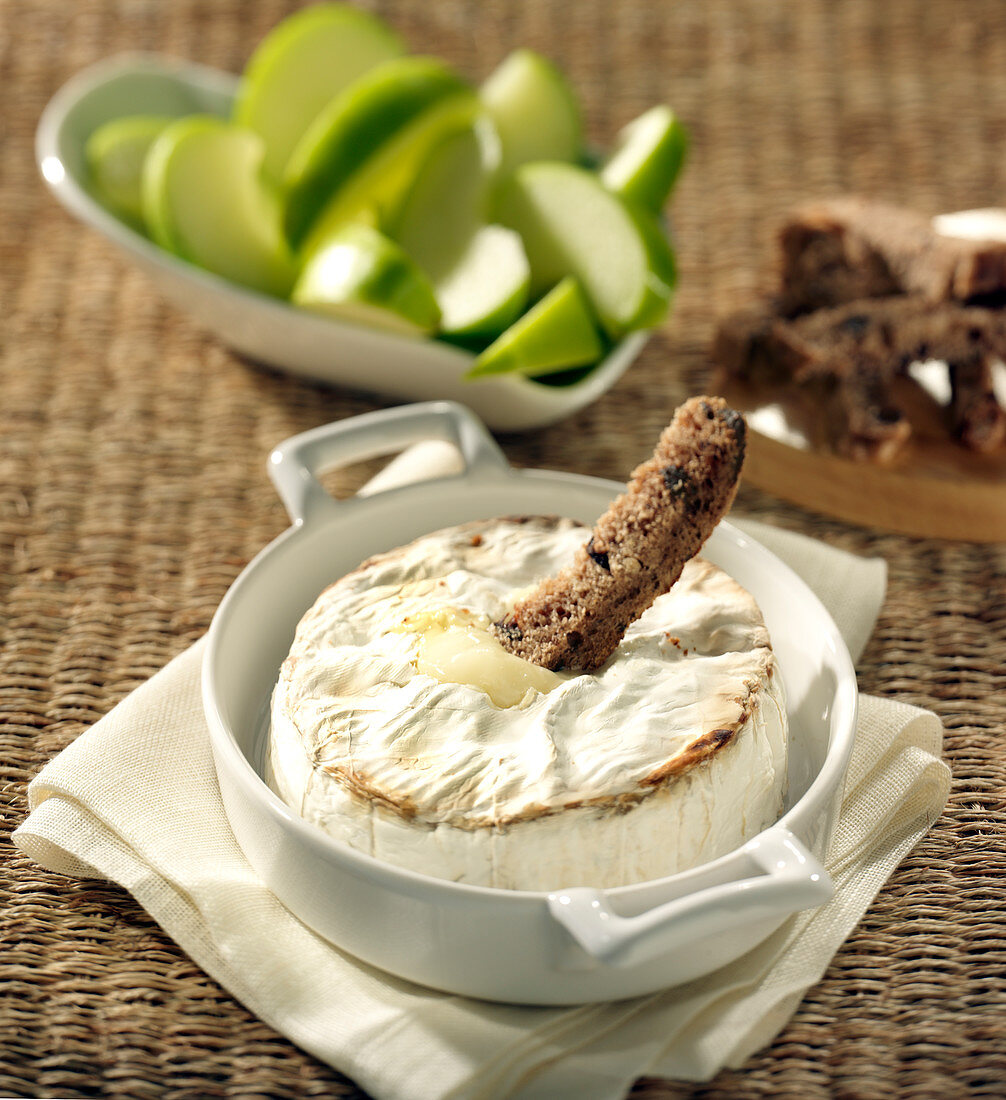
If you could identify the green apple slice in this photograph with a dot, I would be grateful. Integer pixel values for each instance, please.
(115, 153)
(362, 276)
(647, 158)
(480, 272)
(571, 224)
(487, 287)
(300, 66)
(557, 333)
(364, 148)
(446, 203)
(205, 200)
(534, 110)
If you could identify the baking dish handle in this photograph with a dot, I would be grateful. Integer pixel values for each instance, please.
(792, 879)
(295, 464)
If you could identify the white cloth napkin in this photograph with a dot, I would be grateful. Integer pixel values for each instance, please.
(134, 800)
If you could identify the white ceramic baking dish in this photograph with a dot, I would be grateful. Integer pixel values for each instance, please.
(266, 329)
(573, 945)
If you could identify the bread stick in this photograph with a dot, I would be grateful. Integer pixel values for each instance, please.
(638, 548)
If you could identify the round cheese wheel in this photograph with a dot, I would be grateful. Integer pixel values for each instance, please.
(401, 728)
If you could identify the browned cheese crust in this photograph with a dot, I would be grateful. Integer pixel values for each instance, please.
(636, 552)
(848, 248)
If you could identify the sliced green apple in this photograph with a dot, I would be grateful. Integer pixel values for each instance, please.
(300, 66)
(205, 200)
(557, 333)
(647, 158)
(486, 289)
(360, 275)
(480, 273)
(571, 224)
(364, 148)
(115, 153)
(447, 200)
(534, 110)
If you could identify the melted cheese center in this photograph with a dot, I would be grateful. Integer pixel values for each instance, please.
(456, 647)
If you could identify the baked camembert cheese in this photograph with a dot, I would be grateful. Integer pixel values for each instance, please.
(404, 729)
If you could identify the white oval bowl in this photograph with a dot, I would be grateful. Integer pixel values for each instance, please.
(571, 946)
(266, 329)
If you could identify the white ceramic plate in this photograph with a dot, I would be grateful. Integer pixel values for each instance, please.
(574, 945)
(262, 328)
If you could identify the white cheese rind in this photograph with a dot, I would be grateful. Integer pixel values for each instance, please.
(561, 790)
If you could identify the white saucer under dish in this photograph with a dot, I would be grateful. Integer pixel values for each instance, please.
(266, 329)
(570, 946)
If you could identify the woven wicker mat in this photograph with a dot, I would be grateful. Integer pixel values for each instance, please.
(132, 491)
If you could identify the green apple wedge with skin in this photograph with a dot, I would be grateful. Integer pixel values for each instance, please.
(647, 159)
(205, 199)
(115, 153)
(360, 275)
(300, 66)
(534, 110)
(571, 224)
(479, 272)
(448, 198)
(364, 148)
(487, 288)
(556, 333)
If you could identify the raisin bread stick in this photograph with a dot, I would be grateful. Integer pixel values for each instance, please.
(847, 248)
(903, 330)
(976, 417)
(639, 546)
(759, 345)
(860, 348)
